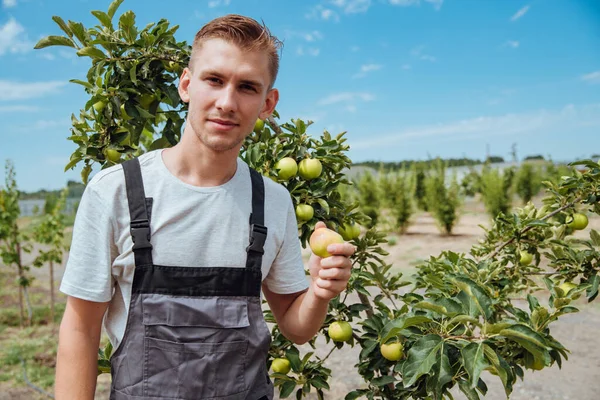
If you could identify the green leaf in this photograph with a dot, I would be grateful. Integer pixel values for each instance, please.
(91, 52)
(53, 40)
(79, 31)
(477, 295)
(83, 83)
(502, 368)
(421, 358)
(73, 162)
(103, 18)
(467, 390)
(432, 307)
(393, 328)
(529, 339)
(592, 292)
(474, 361)
(112, 9)
(442, 372)
(324, 205)
(383, 380)
(595, 237)
(63, 26)
(286, 389)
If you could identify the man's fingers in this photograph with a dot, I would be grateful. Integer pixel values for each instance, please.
(335, 273)
(341, 249)
(320, 225)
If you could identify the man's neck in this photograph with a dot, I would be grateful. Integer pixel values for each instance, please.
(197, 165)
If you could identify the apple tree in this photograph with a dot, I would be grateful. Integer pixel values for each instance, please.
(416, 341)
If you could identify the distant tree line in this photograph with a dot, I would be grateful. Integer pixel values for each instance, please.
(75, 190)
(450, 162)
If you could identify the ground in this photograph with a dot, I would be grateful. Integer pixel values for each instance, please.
(579, 377)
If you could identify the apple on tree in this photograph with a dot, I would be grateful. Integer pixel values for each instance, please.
(304, 212)
(281, 365)
(310, 168)
(286, 168)
(340, 331)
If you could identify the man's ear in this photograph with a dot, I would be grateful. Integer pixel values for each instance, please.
(184, 82)
(270, 103)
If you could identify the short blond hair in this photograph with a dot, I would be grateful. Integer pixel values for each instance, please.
(246, 33)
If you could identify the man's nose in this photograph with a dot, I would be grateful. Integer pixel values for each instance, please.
(226, 101)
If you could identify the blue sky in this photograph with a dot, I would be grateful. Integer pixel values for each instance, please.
(407, 79)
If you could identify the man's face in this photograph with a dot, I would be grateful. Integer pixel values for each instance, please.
(227, 91)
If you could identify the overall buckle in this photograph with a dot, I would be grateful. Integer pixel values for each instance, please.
(258, 236)
(140, 234)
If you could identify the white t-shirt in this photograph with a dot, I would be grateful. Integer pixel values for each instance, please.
(191, 227)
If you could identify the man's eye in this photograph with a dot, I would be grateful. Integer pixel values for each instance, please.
(214, 80)
(249, 88)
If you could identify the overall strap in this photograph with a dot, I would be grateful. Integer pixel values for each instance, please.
(258, 231)
(138, 212)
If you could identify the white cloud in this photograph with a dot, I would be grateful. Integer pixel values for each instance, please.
(437, 4)
(418, 53)
(519, 13)
(322, 13)
(365, 69)
(13, 38)
(345, 97)
(512, 43)
(351, 108)
(352, 6)
(10, 90)
(18, 108)
(313, 36)
(354, 49)
(592, 77)
(9, 3)
(218, 3)
(308, 51)
(566, 118)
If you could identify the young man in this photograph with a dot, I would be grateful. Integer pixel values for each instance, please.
(170, 251)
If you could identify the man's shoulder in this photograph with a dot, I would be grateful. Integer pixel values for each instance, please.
(113, 177)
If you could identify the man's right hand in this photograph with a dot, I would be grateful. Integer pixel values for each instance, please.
(78, 342)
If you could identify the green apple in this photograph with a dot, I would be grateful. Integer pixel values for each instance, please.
(287, 168)
(340, 331)
(578, 221)
(112, 155)
(259, 125)
(525, 257)
(566, 287)
(392, 351)
(350, 231)
(304, 212)
(99, 105)
(281, 365)
(310, 168)
(321, 238)
(146, 100)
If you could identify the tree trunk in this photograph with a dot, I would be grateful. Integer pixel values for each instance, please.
(25, 293)
(21, 311)
(52, 292)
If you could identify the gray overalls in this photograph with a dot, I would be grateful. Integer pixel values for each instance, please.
(192, 333)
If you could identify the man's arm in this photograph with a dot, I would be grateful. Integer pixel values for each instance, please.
(301, 315)
(78, 342)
